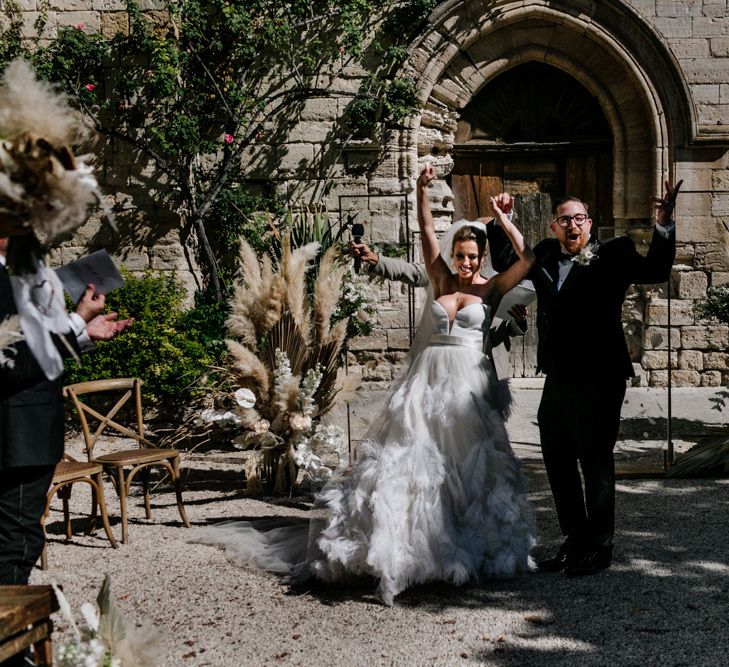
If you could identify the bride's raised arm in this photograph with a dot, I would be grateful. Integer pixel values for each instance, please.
(434, 264)
(512, 276)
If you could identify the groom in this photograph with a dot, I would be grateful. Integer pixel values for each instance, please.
(581, 285)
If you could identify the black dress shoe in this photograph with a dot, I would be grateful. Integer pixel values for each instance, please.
(566, 556)
(591, 562)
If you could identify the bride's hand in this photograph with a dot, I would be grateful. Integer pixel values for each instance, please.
(426, 175)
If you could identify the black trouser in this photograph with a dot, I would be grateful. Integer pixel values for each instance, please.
(579, 421)
(22, 503)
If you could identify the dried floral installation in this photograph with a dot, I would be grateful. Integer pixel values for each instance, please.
(41, 180)
(284, 354)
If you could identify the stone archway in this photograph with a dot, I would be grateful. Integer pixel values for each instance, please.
(606, 47)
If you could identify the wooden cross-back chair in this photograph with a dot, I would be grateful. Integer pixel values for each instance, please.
(124, 465)
(67, 473)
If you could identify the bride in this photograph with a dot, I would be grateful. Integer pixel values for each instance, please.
(436, 493)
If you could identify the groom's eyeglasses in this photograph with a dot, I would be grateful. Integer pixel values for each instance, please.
(566, 220)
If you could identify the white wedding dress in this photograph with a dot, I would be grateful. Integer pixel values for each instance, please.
(436, 492)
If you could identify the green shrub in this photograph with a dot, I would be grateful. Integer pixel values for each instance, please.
(716, 305)
(169, 348)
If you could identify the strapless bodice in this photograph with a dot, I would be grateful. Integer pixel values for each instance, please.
(470, 323)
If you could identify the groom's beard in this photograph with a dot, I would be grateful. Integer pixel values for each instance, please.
(573, 242)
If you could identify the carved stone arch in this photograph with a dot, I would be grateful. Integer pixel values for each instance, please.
(605, 46)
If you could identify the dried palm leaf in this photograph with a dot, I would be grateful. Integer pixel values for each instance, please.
(707, 458)
(327, 289)
(287, 337)
(248, 366)
(327, 358)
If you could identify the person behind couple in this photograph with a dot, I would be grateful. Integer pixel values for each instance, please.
(436, 492)
(581, 285)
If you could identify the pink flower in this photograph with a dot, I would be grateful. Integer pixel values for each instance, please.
(90, 86)
(80, 26)
(228, 138)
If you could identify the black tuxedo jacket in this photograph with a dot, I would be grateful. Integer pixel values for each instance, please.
(580, 328)
(31, 407)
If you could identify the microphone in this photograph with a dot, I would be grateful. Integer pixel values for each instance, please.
(357, 234)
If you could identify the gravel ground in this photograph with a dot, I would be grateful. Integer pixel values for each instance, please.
(663, 602)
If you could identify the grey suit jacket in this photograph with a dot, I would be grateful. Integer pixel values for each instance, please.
(498, 342)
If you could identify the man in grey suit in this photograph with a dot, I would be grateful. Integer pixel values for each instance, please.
(31, 424)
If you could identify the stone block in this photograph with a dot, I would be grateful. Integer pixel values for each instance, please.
(321, 109)
(71, 5)
(656, 338)
(717, 337)
(693, 338)
(296, 158)
(709, 26)
(691, 48)
(377, 340)
(681, 312)
(168, 258)
(719, 278)
(398, 339)
(690, 360)
(678, 378)
(711, 257)
(706, 94)
(720, 201)
(673, 28)
(384, 186)
(719, 47)
(711, 379)
(114, 23)
(705, 70)
(720, 178)
(376, 371)
(134, 259)
(50, 30)
(109, 5)
(656, 360)
(716, 361)
(700, 229)
(678, 8)
(384, 229)
(691, 284)
(91, 20)
(309, 131)
(393, 319)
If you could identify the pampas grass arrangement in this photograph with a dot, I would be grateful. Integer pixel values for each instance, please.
(42, 181)
(284, 355)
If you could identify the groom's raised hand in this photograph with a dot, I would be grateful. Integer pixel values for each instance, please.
(666, 205)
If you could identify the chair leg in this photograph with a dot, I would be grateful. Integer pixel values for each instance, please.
(44, 553)
(94, 501)
(178, 490)
(122, 491)
(99, 495)
(145, 487)
(65, 497)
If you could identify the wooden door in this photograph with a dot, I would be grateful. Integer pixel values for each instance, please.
(535, 179)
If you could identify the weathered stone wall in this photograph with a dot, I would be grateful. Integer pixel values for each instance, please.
(660, 70)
